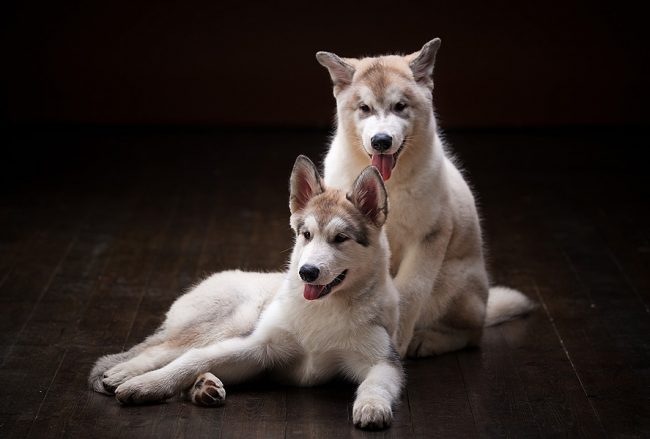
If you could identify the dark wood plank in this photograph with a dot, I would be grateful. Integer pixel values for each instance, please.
(625, 229)
(55, 316)
(112, 308)
(579, 301)
(619, 385)
(175, 269)
(39, 261)
(554, 392)
(437, 398)
(500, 406)
(26, 376)
(92, 257)
(55, 319)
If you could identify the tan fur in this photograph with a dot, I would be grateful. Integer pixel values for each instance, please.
(300, 328)
(434, 231)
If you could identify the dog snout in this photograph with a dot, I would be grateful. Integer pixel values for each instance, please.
(381, 142)
(309, 273)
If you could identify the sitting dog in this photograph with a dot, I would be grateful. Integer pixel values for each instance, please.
(385, 117)
(334, 313)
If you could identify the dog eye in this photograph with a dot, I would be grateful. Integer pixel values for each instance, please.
(364, 108)
(400, 106)
(340, 238)
(307, 235)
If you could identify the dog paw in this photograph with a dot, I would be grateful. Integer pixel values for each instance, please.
(208, 391)
(117, 375)
(420, 346)
(372, 414)
(427, 343)
(143, 389)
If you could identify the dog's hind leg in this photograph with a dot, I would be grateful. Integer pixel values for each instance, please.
(207, 391)
(150, 358)
(106, 362)
(461, 322)
(429, 342)
(234, 359)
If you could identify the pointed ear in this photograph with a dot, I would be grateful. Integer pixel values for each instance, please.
(304, 184)
(341, 71)
(369, 196)
(422, 62)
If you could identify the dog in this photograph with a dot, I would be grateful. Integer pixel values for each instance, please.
(335, 312)
(385, 117)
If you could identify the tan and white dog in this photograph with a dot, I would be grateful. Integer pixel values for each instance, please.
(385, 117)
(333, 313)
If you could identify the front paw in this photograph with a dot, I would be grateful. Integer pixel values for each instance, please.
(372, 414)
(143, 389)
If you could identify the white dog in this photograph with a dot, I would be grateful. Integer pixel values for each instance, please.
(385, 117)
(333, 313)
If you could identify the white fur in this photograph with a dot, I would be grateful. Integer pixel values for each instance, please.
(330, 260)
(304, 342)
(433, 228)
(382, 119)
(506, 304)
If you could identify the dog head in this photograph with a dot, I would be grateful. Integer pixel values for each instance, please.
(382, 102)
(338, 240)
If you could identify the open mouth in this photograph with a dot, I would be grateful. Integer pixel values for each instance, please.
(386, 162)
(313, 292)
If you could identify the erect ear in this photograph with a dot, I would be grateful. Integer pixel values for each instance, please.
(341, 71)
(422, 62)
(304, 184)
(369, 195)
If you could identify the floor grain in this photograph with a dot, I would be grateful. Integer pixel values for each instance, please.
(101, 229)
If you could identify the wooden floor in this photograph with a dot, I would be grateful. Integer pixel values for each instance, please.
(100, 230)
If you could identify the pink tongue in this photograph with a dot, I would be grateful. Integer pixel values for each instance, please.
(385, 163)
(312, 292)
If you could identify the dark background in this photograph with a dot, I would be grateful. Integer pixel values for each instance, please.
(145, 145)
(507, 63)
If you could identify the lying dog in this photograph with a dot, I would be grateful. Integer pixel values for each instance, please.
(335, 313)
(385, 117)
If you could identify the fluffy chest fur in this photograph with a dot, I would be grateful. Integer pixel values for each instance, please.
(418, 192)
(322, 334)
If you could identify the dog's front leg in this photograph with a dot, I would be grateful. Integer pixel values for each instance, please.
(414, 282)
(377, 394)
(232, 359)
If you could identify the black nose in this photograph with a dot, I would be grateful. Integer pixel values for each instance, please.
(381, 141)
(309, 273)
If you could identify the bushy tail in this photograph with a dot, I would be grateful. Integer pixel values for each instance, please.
(506, 304)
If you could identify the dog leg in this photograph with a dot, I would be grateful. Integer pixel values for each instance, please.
(463, 291)
(429, 342)
(207, 391)
(376, 395)
(233, 360)
(151, 358)
(106, 362)
(414, 282)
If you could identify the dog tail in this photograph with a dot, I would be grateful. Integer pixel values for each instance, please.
(505, 304)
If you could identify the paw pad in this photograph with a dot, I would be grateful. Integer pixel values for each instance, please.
(208, 391)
